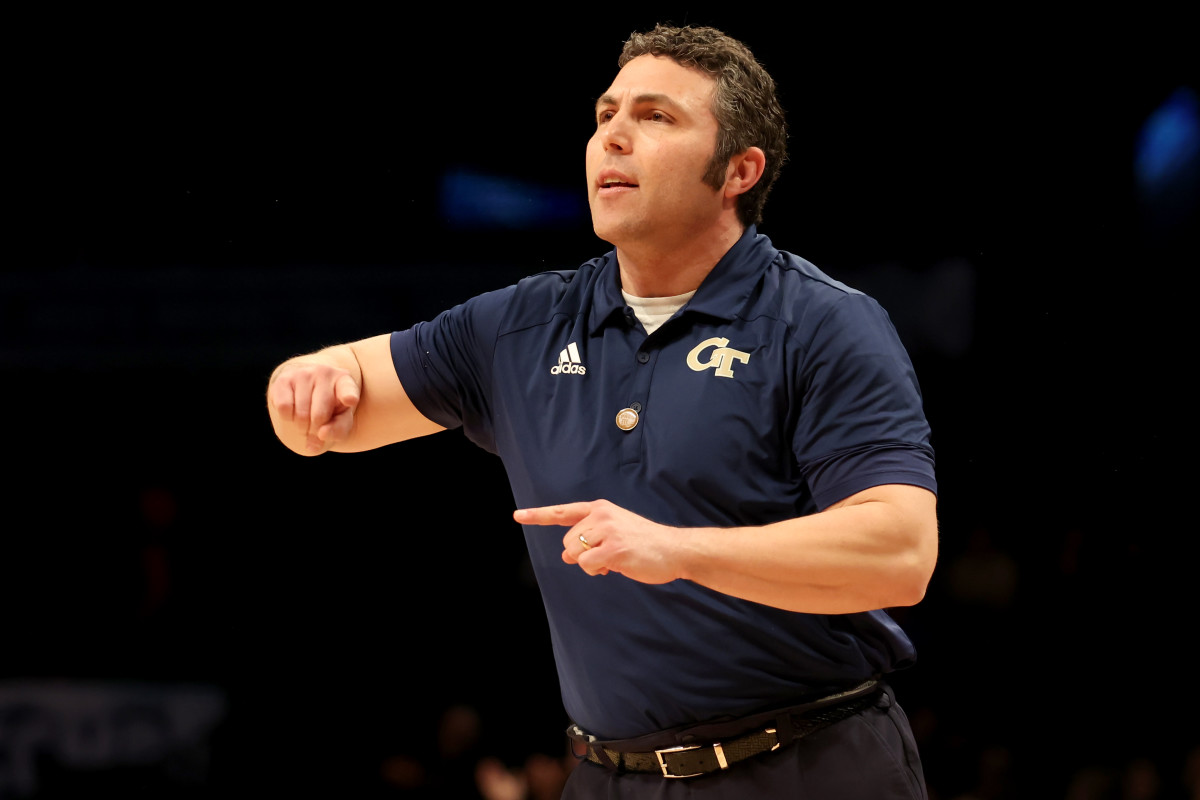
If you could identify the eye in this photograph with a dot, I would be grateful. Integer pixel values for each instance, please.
(604, 116)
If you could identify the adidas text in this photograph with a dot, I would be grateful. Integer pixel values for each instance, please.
(569, 362)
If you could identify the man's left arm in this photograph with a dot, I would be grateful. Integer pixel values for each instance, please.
(874, 549)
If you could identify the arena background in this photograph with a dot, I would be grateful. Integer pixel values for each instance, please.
(191, 610)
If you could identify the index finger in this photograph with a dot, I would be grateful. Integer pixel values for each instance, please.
(566, 514)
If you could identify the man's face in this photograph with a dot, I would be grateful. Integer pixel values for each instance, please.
(655, 134)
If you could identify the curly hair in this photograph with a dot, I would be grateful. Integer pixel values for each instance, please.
(744, 103)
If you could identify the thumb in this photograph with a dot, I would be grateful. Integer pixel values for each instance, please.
(345, 391)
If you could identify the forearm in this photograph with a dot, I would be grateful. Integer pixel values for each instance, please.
(345, 398)
(874, 549)
(856, 557)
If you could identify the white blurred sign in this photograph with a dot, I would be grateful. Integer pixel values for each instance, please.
(92, 725)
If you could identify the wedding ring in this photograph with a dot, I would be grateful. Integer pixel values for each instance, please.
(583, 541)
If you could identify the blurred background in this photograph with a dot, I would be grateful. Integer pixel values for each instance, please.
(190, 610)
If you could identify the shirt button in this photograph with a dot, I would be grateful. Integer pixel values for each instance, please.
(643, 357)
(636, 407)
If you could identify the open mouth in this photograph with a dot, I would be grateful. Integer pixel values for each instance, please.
(613, 180)
(617, 184)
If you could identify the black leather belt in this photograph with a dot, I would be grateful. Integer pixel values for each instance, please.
(693, 759)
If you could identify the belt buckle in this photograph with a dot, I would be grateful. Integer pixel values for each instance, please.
(666, 770)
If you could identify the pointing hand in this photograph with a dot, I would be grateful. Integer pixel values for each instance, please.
(316, 401)
(603, 537)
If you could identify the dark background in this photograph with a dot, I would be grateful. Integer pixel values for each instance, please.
(194, 199)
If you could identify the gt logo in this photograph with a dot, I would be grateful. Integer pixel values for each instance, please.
(721, 360)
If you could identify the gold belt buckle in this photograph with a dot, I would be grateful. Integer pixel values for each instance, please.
(716, 746)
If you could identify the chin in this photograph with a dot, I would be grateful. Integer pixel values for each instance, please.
(606, 232)
(617, 231)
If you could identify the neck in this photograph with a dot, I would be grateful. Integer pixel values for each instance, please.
(651, 270)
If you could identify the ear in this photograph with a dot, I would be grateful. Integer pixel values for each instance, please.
(744, 170)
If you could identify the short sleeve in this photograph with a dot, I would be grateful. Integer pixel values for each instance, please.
(445, 364)
(862, 420)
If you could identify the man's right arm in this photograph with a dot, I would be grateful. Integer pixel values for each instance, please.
(345, 398)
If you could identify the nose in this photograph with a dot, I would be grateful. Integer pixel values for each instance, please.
(615, 135)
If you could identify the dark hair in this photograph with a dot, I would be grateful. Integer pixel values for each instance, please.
(747, 111)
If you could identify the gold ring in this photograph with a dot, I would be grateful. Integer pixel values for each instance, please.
(583, 541)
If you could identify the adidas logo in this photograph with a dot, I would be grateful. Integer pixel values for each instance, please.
(568, 362)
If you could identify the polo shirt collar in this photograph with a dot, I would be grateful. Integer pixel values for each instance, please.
(722, 293)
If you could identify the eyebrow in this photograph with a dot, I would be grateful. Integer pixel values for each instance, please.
(655, 98)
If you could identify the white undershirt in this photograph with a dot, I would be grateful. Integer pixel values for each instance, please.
(654, 311)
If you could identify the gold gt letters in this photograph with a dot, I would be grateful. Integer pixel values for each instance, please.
(721, 360)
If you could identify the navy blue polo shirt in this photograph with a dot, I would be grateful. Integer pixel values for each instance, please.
(775, 392)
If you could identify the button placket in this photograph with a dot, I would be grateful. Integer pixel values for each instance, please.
(634, 409)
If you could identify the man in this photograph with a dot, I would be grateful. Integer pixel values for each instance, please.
(718, 454)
